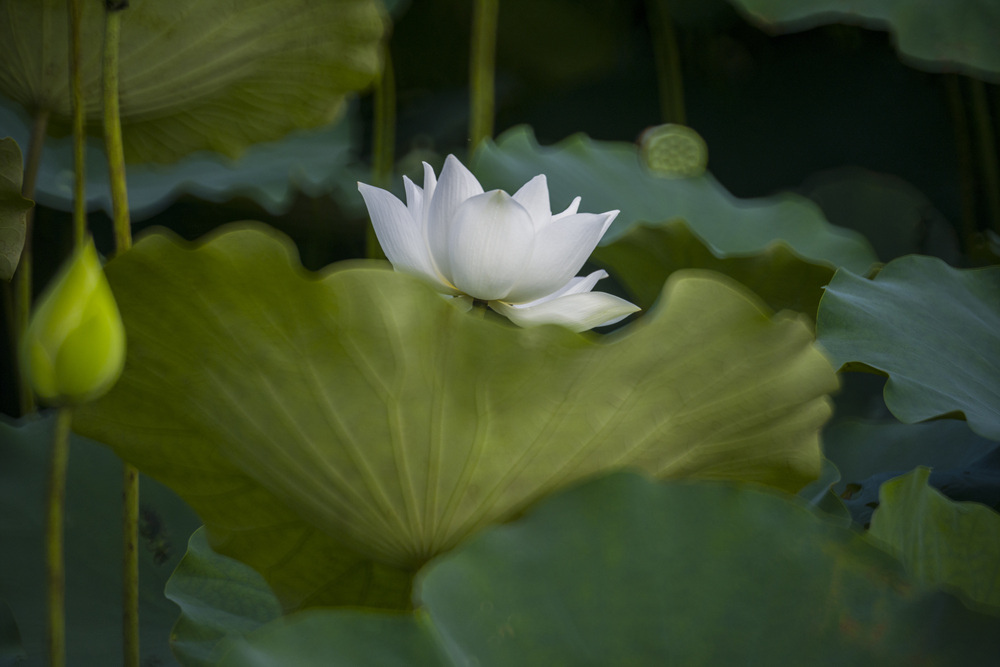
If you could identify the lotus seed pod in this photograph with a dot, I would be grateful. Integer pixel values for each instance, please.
(674, 151)
(74, 348)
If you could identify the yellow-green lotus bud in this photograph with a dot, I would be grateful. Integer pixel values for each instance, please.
(74, 348)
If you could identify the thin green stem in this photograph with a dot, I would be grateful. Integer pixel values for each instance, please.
(123, 241)
(384, 142)
(23, 279)
(113, 129)
(987, 143)
(482, 65)
(130, 564)
(668, 62)
(55, 566)
(79, 136)
(966, 163)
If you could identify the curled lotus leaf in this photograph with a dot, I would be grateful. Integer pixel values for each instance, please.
(337, 430)
(198, 75)
(933, 329)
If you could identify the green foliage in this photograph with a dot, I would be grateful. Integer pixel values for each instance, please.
(625, 571)
(893, 215)
(199, 75)
(933, 329)
(865, 448)
(13, 208)
(645, 256)
(610, 176)
(932, 35)
(312, 161)
(941, 542)
(93, 546)
(218, 597)
(324, 425)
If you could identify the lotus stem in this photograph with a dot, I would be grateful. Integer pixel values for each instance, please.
(23, 281)
(966, 163)
(55, 567)
(384, 142)
(123, 241)
(668, 61)
(130, 566)
(987, 150)
(113, 128)
(79, 136)
(482, 70)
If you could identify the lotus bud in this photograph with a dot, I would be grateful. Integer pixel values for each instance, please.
(74, 348)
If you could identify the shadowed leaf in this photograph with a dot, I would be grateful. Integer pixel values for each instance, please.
(929, 34)
(13, 208)
(624, 571)
(941, 542)
(933, 329)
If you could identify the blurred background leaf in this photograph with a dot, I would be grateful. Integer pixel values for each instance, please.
(932, 35)
(313, 162)
(219, 597)
(610, 176)
(92, 544)
(196, 75)
(644, 257)
(941, 543)
(892, 214)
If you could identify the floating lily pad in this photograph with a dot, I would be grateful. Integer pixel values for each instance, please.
(646, 255)
(13, 208)
(933, 329)
(199, 75)
(92, 547)
(929, 34)
(941, 542)
(336, 431)
(316, 162)
(624, 571)
(609, 176)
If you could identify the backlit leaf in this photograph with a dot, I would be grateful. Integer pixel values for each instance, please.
(338, 430)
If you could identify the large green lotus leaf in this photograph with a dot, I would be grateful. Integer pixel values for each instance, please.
(13, 208)
(930, 34)
(338, 430)
(198, 75)
(218, 597)
(646, 255)
(624, 571)
(933, 329)
(609, 176)
(92, 547)
(315, 161)
(941, 542)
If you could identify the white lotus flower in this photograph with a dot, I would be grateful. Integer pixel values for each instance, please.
(489, 247)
